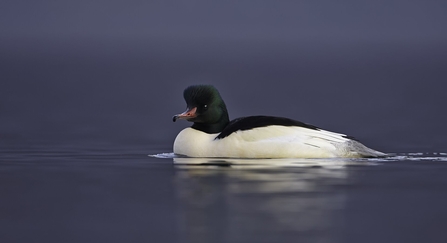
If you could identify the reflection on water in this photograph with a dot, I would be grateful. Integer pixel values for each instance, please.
(307, 200)
(333, 163)
(237, 200)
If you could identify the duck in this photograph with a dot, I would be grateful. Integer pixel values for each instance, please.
(213, 135)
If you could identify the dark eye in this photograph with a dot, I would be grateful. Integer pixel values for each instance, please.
(205, 107)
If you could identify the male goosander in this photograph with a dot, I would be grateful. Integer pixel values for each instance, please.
(214, 135)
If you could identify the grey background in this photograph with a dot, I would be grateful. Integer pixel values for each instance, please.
(112, 72)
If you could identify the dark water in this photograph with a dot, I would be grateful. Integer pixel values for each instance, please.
(122, 195)
(88, 90)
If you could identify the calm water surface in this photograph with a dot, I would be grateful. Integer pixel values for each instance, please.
(66, 194)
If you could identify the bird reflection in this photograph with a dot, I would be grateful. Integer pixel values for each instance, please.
(235, 200)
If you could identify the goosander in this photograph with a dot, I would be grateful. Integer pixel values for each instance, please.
(214, 135)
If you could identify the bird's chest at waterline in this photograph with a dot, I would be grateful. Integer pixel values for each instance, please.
(195, 143)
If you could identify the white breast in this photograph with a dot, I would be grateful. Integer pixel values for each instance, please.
(264, 142)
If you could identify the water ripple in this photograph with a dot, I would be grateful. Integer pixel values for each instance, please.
(301, 162)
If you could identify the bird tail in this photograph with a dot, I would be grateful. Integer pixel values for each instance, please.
(356, 149)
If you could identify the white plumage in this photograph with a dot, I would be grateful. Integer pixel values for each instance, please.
(270, 142)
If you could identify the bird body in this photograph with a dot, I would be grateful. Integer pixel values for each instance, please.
(213, 135)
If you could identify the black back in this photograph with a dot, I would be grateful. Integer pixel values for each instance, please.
(250, 122)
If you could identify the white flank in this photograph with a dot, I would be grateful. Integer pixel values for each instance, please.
(269, 142)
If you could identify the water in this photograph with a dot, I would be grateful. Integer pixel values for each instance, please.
(123, 195)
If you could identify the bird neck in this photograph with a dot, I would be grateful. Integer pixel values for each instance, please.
(212, 127)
